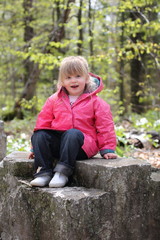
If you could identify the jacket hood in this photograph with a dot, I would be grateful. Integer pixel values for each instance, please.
(95, 84)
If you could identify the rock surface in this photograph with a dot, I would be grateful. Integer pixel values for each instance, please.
(2, 141)
(107, 200)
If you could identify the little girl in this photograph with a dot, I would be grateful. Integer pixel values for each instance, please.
(74, 124)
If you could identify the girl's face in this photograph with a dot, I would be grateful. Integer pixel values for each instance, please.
(75, 84)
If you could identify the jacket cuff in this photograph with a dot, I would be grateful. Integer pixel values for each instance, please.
(102, 152)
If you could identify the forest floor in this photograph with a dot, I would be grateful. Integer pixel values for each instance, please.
(143, 146)
(145, 143)
(19, 133)
(150, 155)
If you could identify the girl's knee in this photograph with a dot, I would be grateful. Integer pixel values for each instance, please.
(39, 135)
(74, 134)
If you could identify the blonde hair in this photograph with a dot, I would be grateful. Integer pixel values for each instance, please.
(74, 65)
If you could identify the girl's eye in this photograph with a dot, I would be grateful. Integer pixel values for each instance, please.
(78, 76)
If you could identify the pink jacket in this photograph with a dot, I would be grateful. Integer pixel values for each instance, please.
(90, 114)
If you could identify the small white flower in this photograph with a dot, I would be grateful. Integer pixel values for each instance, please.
(119, 127)
(157, 123)
(142, 121)
(23, 135)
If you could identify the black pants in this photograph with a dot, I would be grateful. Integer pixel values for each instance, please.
(65, 146)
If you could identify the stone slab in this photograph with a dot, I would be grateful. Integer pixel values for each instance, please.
(100, 173)
(114, 200)
(43, 213)
(19, 165)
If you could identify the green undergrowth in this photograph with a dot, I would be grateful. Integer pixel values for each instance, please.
(18, 134)
(139, 125)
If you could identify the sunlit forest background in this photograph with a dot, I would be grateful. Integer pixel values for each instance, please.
(120, 39)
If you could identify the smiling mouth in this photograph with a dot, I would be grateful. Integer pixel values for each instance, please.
(74, 86)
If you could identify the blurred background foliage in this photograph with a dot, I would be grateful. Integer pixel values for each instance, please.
(120, 40)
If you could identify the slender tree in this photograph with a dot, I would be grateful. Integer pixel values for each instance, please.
(121, 66)
(90, 29)
(137, 69)
(28, 35)
(56, 35)
(80, 29)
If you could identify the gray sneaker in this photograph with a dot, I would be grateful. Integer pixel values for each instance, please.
(41, 181)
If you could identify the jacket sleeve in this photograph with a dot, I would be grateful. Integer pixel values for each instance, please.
(104, 124)
(45, 117)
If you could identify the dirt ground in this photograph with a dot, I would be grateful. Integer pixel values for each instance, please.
(150, 155)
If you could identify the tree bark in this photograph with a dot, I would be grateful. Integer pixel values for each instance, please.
(137, 81)
(59, 31)
(137, 72)
(28, 35)
(90, 27)
(121, 83)
(80, 38)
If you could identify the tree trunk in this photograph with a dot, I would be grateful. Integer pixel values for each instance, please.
(59, 31)
(56, 35)
(28, 35)
(137, 73)
(80, 38)
(90, 27)
(121, 83)
(137, 81)
(30, 68)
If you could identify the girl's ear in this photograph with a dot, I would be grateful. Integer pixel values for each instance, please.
(61, 83)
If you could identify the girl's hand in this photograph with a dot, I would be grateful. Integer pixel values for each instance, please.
(110, 156)
(31, 155)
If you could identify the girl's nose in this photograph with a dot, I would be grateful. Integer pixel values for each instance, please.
(73, 79)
